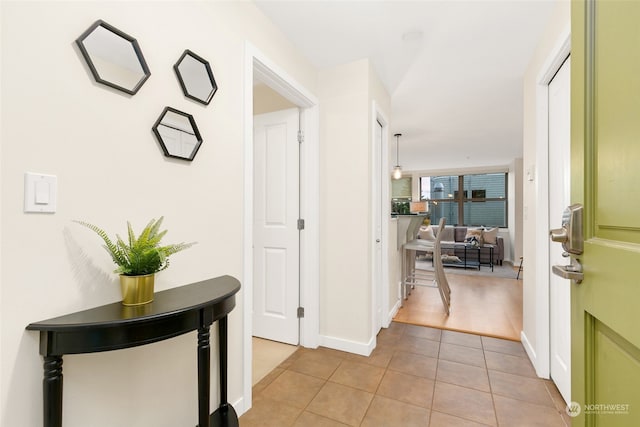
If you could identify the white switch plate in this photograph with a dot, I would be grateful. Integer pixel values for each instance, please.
(531, 173)
(40, 192)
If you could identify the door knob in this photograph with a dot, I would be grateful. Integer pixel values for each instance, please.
(377, 240)
(570, 234)
(559, 235)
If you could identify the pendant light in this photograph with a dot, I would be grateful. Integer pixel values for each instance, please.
(397, 170)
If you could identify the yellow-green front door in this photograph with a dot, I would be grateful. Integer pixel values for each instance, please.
(606, 180)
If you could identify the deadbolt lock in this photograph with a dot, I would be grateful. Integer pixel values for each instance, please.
(571, 237)
(570, 234)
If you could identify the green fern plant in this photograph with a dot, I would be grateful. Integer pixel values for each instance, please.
(139, 255)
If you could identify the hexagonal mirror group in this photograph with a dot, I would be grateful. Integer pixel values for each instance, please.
(115, 60)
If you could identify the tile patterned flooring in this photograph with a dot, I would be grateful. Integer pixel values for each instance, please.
(267, 355)
(417, 376)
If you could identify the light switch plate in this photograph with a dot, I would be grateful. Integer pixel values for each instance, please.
(531, 173)
(40, 192)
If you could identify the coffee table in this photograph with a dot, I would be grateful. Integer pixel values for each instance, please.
(466, 261)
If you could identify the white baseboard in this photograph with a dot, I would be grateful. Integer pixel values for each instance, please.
(363, 349)
(238, 405)
(528, 348)
(392, 313)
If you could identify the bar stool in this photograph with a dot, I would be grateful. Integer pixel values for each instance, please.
(409, 250)
(411, 278)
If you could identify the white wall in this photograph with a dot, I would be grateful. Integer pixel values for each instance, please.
(267, 100)
(535, 286)
(57, 120)
(2, 387)
(395, 267)
(345, 94)
(515, 212)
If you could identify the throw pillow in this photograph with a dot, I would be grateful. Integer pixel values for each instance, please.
(447, 234)
(426, 233)
(474, 232)
(490, 236)
(459, 233)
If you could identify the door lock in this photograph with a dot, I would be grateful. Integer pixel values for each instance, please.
(570, 234)
(571, 237)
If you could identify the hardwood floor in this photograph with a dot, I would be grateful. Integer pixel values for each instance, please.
(481, 305)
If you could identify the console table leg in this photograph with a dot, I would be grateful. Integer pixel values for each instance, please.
(225, 415)
(204, 375)
(52, 391)
(222, 325)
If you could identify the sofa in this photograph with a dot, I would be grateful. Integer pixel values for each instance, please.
(487, 238)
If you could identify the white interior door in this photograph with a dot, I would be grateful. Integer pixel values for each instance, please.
(377, 227)
(559, 199)
(276, 236)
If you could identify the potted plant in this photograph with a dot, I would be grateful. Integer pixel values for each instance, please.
(138, 259)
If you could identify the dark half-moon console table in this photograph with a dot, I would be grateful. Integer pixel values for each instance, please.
(114, 326)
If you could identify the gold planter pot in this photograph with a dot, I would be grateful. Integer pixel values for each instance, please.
(137, 290)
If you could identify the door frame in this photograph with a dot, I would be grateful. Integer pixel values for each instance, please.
(559, 287)
(540, 355)
(259, 65)
(381, 293)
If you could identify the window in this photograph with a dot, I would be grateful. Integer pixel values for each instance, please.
(400, 195)
(448, 196)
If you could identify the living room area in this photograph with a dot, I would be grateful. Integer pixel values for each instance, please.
(477, 249)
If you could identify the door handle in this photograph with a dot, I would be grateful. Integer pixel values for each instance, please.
(571, 271)
(377, 240)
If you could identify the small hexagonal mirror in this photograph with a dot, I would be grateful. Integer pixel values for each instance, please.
(196, 77)
(177, 134)
(114, 58)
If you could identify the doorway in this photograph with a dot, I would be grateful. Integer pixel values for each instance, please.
(539, 175)
(559, 199)
(260, 68)
(382, 312)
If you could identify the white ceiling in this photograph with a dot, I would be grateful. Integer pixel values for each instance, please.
(453, 68)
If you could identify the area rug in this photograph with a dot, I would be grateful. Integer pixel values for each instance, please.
(505, 271)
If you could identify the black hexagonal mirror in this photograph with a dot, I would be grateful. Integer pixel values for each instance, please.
(195, 77)
(177, 134)
(115, 58)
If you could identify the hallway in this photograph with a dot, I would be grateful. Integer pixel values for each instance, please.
(417, 376)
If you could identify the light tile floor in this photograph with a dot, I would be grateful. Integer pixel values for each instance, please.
(417, 376)
(267, 355)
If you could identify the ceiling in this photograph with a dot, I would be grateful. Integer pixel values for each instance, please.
(453, 68)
